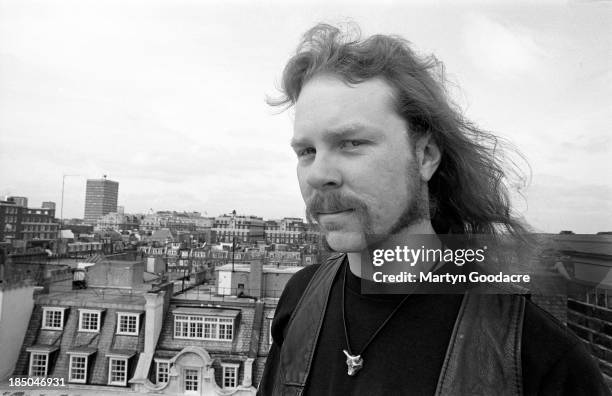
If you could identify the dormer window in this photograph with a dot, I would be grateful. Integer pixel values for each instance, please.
(89, 320)
(117, 371)
(230, 375)
(39, 364)
(40, 358)
(119, 363)
(79, 364)
(205, 323)
(163, 370)
(128, 323)
(53, 318)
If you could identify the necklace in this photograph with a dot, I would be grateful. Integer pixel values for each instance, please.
(354, 363)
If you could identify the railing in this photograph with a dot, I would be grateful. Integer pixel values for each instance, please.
(212, 292)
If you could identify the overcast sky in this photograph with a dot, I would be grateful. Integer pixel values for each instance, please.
(168, 98)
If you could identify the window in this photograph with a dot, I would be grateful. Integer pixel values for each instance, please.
(78, 369)
(230, 375)
(117, 371)
(226, 327)
(53, 318)
(163, 371)
(192, 380)
(127, 324)
(38, 364)
(89, 320)
(203, 327)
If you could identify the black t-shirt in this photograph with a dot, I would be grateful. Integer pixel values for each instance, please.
(406, 357)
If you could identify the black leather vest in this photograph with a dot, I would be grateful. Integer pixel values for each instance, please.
(483, 355)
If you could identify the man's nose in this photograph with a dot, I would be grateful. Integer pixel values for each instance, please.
(323, 173)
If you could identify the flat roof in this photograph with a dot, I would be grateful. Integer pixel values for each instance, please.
(95, 298)
(266, 268)
(206, 311)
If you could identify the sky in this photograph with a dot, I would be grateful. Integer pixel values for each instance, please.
(168, 98)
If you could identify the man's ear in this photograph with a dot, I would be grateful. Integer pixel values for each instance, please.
(428, 156)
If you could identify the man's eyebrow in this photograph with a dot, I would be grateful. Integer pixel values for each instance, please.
(335, 133)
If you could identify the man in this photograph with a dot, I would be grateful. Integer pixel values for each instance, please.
(383, 156)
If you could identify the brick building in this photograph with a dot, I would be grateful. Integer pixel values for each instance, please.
(23, 223)
(232, 227)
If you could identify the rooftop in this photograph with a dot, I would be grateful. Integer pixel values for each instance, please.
(95, 297)
(584, 243)
(266, 268)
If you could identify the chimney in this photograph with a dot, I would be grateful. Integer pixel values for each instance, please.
(154, 317)
(256, 279)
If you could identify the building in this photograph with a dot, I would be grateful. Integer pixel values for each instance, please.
(100, 198)
(48, 205)
(23, 223)
(585, 262)
(19, 201)
(253, 279)
(118, 222)
(232, 227)
(207, 348)
(287, 230)
(122, 334)
(92, 336)
(176, 221)
(210, 344)
(16, 302)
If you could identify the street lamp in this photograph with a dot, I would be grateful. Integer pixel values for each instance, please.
(62, 202)
(59, 231)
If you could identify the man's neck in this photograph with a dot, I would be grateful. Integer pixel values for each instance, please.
(359, 259)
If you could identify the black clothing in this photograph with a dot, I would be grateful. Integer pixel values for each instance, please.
(407, 355)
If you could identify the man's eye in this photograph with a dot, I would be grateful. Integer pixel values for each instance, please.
(350, 144)
(306, 152)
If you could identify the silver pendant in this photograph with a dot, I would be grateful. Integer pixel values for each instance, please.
(353, 363)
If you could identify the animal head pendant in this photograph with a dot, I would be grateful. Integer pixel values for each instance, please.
(353, 363)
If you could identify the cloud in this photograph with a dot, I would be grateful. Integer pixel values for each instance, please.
(497, 49)
(589, 144)
(557, 203)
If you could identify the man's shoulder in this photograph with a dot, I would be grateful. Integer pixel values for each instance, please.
(300, 279)
(294, 289)
(297, 285)
(298, 282)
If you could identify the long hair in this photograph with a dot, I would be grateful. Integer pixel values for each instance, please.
(468, 193)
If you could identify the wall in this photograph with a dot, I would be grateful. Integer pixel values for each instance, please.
(156, 264)
(115, 274)
(593, 324)
(16, 305)
(274, 283)
(227, 281)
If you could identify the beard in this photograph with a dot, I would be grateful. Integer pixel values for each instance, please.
(415, 211)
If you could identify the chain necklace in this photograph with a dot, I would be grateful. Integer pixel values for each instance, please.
(355, 362)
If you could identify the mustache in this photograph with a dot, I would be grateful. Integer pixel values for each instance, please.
(333, 201)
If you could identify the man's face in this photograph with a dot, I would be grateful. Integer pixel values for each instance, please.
(356, 165)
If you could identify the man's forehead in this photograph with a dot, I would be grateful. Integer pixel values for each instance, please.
(328, 104)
